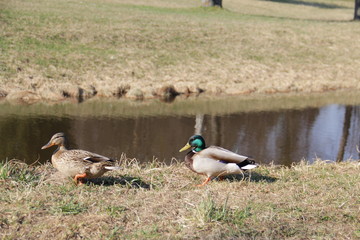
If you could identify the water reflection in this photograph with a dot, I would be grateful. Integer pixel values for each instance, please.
(281, 137)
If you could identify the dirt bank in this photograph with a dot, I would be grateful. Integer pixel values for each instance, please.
(166, 93)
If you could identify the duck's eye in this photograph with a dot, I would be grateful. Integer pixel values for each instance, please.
(59, 136)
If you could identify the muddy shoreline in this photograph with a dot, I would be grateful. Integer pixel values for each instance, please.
(166, 93)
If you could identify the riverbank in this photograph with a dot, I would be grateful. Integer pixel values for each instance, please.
(156, 201)
(56, 50)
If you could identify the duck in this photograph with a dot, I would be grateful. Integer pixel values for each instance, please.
(75, 163)
(214, 161)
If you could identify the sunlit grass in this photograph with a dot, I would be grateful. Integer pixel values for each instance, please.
(208, 211)
(69, 208)
(247, 47)
(273, 202)
(15, 171)
(5, 170)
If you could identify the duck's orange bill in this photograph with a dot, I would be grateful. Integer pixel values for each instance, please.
(49, 144)
(187, 146)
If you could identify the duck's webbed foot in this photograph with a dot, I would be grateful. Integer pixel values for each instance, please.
(79, 178)
(205, 182)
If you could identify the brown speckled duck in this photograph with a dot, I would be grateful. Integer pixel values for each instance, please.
(78, 164)
(214, 161)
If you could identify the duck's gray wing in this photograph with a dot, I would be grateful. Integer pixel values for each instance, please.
(222, 154)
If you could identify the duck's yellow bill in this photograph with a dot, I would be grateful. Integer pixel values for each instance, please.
(187, 146)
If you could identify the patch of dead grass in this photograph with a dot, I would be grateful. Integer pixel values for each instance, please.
(273, 202)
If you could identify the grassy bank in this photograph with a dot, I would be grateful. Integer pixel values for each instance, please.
(58, 48)
(181, 107)
(152, 201)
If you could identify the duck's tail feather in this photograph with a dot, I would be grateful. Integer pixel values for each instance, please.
(246, 162)
(249, 166)
(112, 168)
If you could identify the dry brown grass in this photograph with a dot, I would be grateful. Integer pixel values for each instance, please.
(156, 201)
(53, 48)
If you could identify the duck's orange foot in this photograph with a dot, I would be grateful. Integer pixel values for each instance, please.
(205, 182)
(79, 178)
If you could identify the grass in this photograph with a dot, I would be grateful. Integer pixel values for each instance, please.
(52, 47)
(11, 170)
(208, 212)
(318, 201)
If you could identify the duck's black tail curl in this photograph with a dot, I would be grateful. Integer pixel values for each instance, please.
(246, 162)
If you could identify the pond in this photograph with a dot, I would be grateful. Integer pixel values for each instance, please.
(278, 129)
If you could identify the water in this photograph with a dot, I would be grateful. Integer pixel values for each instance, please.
(279, 131)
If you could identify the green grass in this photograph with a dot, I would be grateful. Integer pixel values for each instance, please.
(249, 46)
(16, 172)
(208, 211)
(317, 201)
(115, 211)
(5, 170)
(69, 208)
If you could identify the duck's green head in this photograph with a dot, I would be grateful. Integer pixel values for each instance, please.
(196, 142)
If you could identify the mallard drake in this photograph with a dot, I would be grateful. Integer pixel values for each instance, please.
(77, 164)
(214, 161)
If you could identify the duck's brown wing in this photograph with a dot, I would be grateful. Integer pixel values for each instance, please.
(222, 154)
(86, 156)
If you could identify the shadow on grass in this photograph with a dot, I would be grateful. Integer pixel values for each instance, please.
(310, 4)
(130, 182)
(252, 177)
